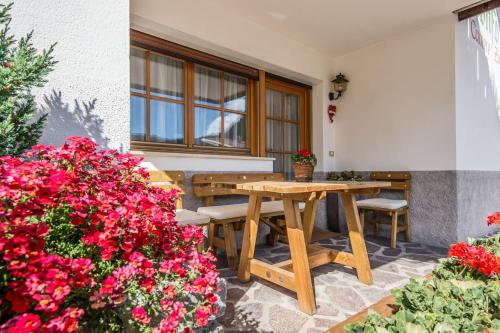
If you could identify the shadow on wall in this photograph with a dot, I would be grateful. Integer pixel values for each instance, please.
(64, 120)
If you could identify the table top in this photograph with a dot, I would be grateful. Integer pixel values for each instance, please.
(296, 187)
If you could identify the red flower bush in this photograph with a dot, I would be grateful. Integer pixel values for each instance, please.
(476, 258)
(86, 244)
(494, 218)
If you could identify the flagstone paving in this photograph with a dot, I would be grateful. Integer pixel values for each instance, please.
(259, 306)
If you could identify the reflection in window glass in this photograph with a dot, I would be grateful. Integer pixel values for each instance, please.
(137, 118)
(235, 93)
(207, 86)
(137, 70)
(235, 130)
(167, 77)
(207, 127)
(166, 122)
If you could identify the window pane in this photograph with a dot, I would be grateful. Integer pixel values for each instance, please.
(166, 122)
(167, 77)
(137, 118)
(207, 127)
(207, 86)
(288, 166)
(273, 135)
(235, 130)
(276, 162)
(292, 107)
(273, 104)
(137, 70)
(291, 137)
(235, 92)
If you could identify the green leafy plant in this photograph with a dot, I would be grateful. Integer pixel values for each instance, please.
(21, 69)
(458, 298)
(343, 176)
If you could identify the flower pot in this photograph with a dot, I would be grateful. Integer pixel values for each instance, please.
(303, 172)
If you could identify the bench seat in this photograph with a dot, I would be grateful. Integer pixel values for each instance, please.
(234, 211)
(188, 217)
(382, 203)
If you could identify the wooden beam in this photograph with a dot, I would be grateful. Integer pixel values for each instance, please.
(477, 9)
(273, 274)
(141, 39)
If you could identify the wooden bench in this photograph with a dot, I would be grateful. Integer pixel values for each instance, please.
(400, 181)
(231, 217)
(175, 179)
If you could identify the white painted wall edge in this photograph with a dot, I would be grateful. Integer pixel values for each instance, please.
(212, 163)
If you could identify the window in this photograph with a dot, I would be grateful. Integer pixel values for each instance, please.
(183, 99)
(286, 122)
(186, 100)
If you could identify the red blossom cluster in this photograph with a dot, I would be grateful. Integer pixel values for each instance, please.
(494, 218)
(476, 258)
(120, 219)
(304, 152)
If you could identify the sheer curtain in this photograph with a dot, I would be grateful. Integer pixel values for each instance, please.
(137, 70)
(207, 86)
(166, 118)
(235, 93)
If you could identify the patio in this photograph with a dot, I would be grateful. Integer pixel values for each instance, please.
(305, 125)
(259, 306)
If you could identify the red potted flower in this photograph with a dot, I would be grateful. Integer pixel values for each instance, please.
(303, 163)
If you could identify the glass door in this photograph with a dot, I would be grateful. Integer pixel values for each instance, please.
(285, 125)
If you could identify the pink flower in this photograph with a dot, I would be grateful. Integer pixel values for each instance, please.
(141, 315)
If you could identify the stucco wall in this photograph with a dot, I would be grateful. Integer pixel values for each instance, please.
(478, 92)
(88, 92)
(399, 112)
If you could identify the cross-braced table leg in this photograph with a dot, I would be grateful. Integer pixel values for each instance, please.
(300, 260)
(358, 245)
(249, 237)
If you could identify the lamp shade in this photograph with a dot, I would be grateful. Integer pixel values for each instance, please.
(340, 83)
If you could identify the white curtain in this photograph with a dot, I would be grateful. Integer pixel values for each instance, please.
(167, 77)
(207, 86)
(235, 92)
(167, 122)
(207, 127)
(137, 70)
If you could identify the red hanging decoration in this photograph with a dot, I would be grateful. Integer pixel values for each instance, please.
(332, 109)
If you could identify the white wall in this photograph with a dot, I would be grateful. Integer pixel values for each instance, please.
(88, 92)
(398, 111)
(207, 27)
(478, 92)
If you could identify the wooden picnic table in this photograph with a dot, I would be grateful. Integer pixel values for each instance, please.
(295, 274)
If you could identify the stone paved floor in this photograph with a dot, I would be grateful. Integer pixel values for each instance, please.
(259, 306)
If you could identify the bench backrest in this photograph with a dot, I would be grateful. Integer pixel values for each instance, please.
(205, 185)
(400, 181)
(168, 180)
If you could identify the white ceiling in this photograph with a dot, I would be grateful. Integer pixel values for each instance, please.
(337, 27)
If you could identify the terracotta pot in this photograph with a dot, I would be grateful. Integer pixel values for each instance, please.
(303, 172)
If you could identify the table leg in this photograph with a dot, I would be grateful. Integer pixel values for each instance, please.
(310, 218)
(249, 237)
(300, 261)
(356, 236)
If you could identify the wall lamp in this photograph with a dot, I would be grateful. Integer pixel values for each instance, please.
(339, 86)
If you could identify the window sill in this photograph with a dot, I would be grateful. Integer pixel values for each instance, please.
(199, 156)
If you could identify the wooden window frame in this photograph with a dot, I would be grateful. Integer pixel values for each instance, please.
(285, 86)
(190, 58)
(477, 9)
